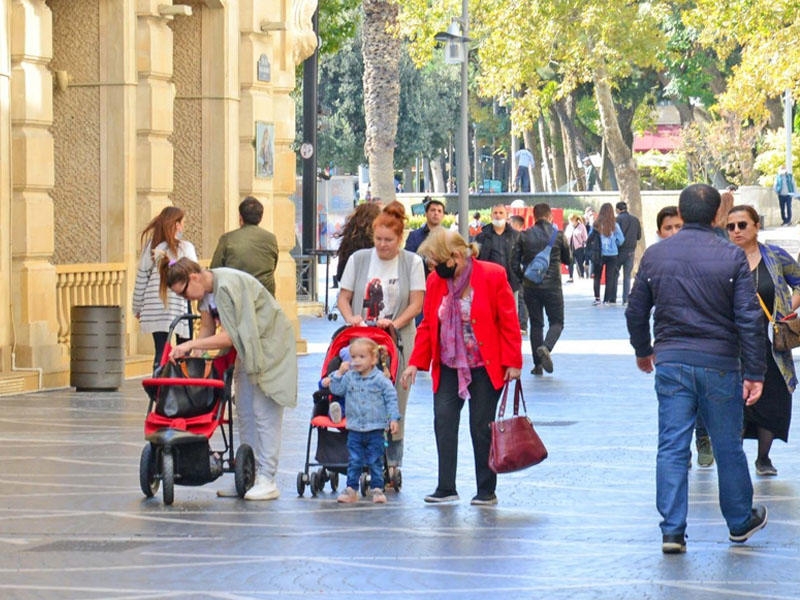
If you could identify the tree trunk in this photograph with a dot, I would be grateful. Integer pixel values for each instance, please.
(437, 176)
(556, 151)
(547, 171)
(620, 153)
(381, 52)
(537, 184)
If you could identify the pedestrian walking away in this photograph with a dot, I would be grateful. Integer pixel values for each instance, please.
(469, 339)
(708, 357)
(546, 297)
(250, 248)
(611, 239)
(632, 232)
(163, 237)
(669, 222)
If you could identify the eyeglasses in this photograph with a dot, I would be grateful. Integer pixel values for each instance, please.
(182, 293)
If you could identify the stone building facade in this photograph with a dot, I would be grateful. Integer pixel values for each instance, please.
(111, 110)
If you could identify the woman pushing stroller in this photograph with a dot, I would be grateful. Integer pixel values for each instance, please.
(237, 311)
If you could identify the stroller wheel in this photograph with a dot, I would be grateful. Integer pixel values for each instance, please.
(168, 477)
(334, 480)
(301, 483)
(147, 471)
(314, 483)
(244, 469)
(363, 483)
(396, 478)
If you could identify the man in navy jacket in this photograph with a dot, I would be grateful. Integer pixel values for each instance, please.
(708, 357)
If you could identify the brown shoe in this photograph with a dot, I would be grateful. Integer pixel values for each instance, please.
(378, 497)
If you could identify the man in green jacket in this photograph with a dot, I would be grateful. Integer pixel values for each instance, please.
(250, 248)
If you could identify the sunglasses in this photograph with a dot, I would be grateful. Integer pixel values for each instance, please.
(741, 225)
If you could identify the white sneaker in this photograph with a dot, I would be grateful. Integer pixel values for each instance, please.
(264, 488)
(335, 412)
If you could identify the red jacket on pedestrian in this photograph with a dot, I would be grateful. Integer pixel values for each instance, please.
(494, 322)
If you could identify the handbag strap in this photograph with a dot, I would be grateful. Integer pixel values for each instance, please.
(764, 307)
(185, 369)
(501, 411)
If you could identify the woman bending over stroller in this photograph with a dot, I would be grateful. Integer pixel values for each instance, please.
(371, 401)
(236, 310)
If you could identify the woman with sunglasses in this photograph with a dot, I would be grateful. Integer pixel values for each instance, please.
(237, 311)
(777, 279)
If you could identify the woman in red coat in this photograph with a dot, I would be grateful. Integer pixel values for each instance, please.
(470, 339)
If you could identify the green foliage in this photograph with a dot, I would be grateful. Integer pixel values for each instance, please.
(674, 176)
(772, 154)
(766, 34)
(338, 20)
(429, 98)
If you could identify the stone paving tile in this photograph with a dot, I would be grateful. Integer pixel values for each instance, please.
(581, 525)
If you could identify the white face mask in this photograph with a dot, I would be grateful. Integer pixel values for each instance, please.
(178, 235)
(499, 223)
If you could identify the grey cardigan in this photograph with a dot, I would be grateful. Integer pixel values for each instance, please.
(361, 260)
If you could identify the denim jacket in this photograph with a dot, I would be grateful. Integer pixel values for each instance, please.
(371, 399)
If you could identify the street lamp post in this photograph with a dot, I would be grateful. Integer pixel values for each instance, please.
(456, 39)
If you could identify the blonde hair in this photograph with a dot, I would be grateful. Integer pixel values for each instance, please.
(379, 353)
(174, 271)
(442, 243)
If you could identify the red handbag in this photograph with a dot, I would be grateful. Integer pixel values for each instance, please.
(515, 443)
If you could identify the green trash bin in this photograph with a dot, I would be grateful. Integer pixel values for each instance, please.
(97, 358)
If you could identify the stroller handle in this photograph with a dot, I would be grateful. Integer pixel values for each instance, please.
(190, 317)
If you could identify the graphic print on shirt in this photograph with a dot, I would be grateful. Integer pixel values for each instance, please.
(373, 300)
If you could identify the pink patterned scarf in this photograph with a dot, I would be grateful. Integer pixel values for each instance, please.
(453, 349)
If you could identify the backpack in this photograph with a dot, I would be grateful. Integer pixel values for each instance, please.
(594, 249)
(536, 269)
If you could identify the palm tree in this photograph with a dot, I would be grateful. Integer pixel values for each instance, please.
(381, 51)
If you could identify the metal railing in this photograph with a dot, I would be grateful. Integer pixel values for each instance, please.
(86, 284)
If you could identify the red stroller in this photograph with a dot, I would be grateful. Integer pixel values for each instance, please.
(332, 456)
(188, 403)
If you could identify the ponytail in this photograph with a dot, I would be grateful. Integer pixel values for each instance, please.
(174, 271)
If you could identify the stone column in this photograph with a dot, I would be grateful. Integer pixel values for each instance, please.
(155, 97)
(117, 119)
(33, 277)
(5, 188)
(267, 78)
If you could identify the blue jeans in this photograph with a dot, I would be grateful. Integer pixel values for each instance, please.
(786, 209)
(683, 391)
(366, 450)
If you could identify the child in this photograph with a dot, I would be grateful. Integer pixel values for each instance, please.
(371, 402)
(336, 403)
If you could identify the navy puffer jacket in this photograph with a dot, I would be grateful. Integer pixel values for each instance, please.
(706, 310)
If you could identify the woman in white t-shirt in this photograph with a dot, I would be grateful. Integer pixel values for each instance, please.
(384, 286)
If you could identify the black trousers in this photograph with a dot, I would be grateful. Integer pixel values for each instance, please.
(541, 300)
(446, 416)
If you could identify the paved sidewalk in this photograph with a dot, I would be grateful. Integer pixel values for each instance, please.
(582, 524)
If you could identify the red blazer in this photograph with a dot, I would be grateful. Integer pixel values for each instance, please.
(494, 321)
